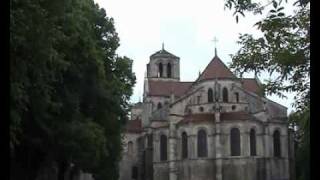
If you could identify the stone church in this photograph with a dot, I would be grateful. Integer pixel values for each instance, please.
(219, 127)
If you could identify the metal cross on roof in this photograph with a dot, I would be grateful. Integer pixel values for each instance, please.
(215, 40)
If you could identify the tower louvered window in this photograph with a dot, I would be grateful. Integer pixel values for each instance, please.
(169, 70)
(160, 70)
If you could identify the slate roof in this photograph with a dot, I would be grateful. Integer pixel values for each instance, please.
(134, 126)
(216, 69)
(165, 88)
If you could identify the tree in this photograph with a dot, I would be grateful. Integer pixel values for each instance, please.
(284, 52)
(69, 90)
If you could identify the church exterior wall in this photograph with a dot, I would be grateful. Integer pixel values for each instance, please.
(161, 171)
(238, 168)
(256, 111)
(196, 169)
(129, 159)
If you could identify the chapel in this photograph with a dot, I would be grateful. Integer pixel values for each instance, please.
(218, 127)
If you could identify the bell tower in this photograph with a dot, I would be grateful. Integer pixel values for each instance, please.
(163, 66)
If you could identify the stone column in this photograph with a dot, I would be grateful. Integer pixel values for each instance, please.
(218, 146)
(164, 70)
(172, 151)
(267, 151)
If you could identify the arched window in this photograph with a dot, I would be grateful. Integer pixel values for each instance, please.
(184, 145)
(130, 147)
(253, 151)
(160, 70)
(163, 147)
(150, 140)
(237, 96)
(134, 172)
(159, 106)
(168, 70)
(235, 142)
(210, 95)
(202, 144)
(276, 144)
(225, 95)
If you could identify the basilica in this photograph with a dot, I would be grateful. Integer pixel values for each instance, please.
(218, 127)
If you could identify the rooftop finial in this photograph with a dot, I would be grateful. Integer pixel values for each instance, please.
(162, 46)
(215, 40)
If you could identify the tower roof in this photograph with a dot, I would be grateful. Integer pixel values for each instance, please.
(216, 69)
(163, 53)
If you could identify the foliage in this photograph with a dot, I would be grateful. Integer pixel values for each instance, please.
(284, 53)
(69, 90)
(301, 120)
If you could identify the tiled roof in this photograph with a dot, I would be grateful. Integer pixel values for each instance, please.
(205, 117)
(163, 53)
(240, 115)
(165, 88)
(216, 69)
(251, 85)
(198, 118)
(134, 126)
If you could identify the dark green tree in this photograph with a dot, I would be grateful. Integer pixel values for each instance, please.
(283, 51)
(69, 90)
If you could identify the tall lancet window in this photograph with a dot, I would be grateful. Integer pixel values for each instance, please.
(225, 94)
(235, 142)
(210, 95)
(276, 144)
(237, 96)
(159, 106)
(184, 145)
(160, 70)
(130, 147)
(163, 147)
(202, 144)
(253, 151)
(169, 70)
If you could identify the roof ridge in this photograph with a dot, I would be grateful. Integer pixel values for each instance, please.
(163, 51)
(219, 61)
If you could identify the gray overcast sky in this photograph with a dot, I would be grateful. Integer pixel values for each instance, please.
(186, 27)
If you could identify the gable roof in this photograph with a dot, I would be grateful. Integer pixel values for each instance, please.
(251, 85)
(163, 53)
(216, 69)
(165, 88)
